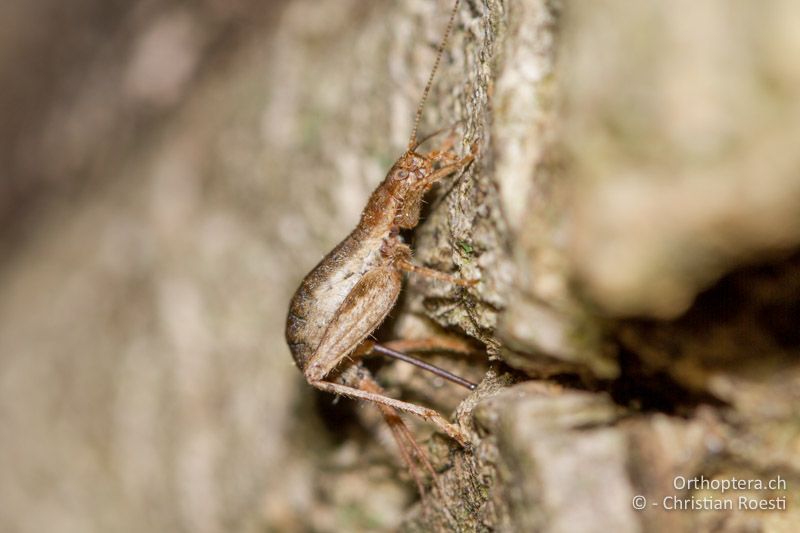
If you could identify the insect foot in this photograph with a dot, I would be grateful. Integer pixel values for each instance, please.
(455, 433)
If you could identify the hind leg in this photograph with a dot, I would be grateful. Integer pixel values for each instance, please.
(440, 343)
(407, 445)
(425, 413)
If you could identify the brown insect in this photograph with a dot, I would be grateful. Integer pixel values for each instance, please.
(349, 293)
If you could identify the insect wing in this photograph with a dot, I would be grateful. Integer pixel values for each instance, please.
(360, 314)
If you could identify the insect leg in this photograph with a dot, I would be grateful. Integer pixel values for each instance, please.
(439, 343)
(435, 274)
(423, 412)
(402, 435)
(450, 129)
(396, 425)
(450, 168)
(443, 153)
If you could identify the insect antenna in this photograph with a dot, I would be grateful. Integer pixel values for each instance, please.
(412, 142)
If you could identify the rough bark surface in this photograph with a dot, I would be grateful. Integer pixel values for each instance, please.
(633, 217)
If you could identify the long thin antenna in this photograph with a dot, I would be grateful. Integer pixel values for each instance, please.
(412, 142)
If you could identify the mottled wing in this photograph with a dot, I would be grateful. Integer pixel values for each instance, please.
(360, 314)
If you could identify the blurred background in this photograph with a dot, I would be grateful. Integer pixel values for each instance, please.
(169, 171)
(153, 226)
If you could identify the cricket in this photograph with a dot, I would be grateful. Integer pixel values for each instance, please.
(346, 297)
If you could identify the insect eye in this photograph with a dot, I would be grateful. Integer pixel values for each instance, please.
(402, 174)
